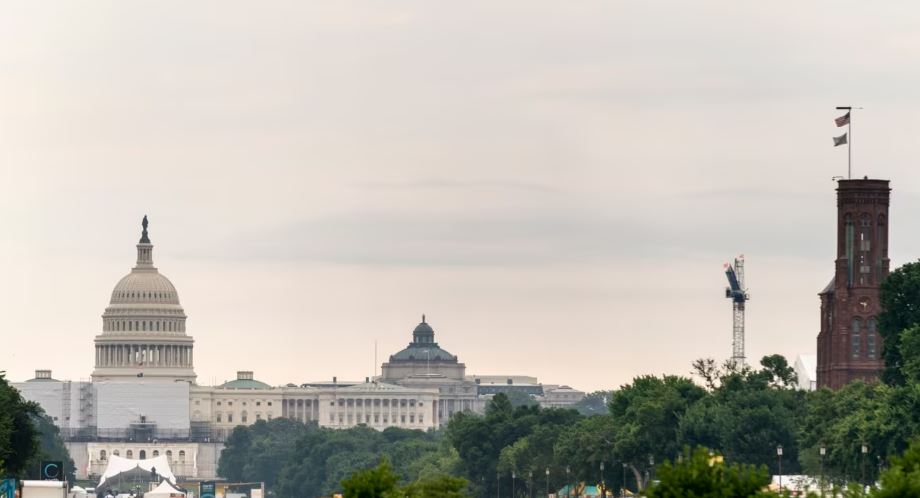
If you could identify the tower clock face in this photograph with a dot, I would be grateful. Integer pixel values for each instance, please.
(862, 304)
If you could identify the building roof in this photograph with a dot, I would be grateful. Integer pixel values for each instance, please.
(423, 347)
(245, 384)
(374, 386)
(829, 288)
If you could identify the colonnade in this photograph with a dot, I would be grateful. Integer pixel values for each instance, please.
(151, 355)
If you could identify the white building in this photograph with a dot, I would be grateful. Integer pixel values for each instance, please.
(143, 400)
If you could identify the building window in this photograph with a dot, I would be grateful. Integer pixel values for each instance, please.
(258, 403)
(102, 455)
(218, 403)
(870, 339)
(156, 453)
(856, 338)
(129, 454)
(229, 418)
(269, 403)
(181, 456)
(169, 455)
(218, 417)
(116, 453)
(142, 455)
(243, 417)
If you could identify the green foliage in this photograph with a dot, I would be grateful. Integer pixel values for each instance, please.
(442, 486)
(377, 482)
(909, 349)
(594, 403)
(900, 300)
(903, 477)
(698, 476)
(646, 417)
(518, 398)
(748, 414)
(252, 453)
(19, 438)
(50, 447)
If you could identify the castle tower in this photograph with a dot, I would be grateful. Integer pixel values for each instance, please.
(849, 345)
(143, 328)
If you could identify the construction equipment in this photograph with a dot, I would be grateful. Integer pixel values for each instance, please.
(737, 292)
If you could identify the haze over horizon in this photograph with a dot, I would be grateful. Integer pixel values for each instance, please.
(555, 185)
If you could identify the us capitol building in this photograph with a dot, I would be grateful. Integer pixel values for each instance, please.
(143, 400)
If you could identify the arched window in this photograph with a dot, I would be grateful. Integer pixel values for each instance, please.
(129, 454)
(181, 456)
(129, 325)
(871, 348)
(142, 455)
(169, 455)
(156, 453)
(116, 453)
(102, 455)
(856, 338)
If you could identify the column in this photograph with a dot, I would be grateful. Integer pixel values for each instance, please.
(190, 359)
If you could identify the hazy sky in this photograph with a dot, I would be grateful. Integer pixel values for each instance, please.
(555, 184)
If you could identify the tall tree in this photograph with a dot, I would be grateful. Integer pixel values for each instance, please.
(900, 300)
(19, 438)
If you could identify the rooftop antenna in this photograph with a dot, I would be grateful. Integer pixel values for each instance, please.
(375, 358)
(737, 292)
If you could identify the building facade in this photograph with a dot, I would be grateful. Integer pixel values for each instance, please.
(849, 345)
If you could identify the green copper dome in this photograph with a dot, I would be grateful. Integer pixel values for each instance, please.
(423, 347)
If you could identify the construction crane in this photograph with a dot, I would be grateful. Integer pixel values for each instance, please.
(739, 295)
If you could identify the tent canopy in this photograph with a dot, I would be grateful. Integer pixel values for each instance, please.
(121, 469)
(164, 490)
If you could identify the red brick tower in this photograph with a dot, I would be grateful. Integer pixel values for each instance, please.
(849, 346)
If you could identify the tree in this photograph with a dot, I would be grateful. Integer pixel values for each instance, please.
(903, 477)
(646, 417)
(778, 372)
(594, 403)
(378, 482)
(50, 447)
(701, 476)
(909, 350)
(19, 438)
(442, 486)
(900, 300)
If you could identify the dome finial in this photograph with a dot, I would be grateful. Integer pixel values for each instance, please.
(144, 238)
(423, 318)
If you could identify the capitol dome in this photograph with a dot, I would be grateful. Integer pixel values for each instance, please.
(143, 328)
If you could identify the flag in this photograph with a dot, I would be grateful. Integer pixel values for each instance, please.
(843, 120)
(842, 139)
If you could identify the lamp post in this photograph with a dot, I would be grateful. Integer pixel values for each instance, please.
(603, 487)
(823, 451)
(651, 468)
(547, 480)
(865, 450)
(512, 483)
(498, 485)
(530, 483)
(568, 482)
(779, 459)
(623, 489)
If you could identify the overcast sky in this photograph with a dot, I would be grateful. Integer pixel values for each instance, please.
(555, 184)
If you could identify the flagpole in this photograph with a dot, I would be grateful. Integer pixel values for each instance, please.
(849, 137)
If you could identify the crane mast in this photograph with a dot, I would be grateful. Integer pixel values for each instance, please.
(737, 292)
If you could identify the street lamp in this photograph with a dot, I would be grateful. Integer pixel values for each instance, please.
(823, 451)
(865, 450)
(623, 489)
(779, 458)
(498, 485)
(603, 487)
(651, 468)
(567, 482)
(530, 483)
(512, 483)
(547, 479)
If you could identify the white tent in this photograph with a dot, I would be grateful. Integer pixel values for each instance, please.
(164, 490)
(118, 465)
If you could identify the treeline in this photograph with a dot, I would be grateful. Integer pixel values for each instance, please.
(27, 436)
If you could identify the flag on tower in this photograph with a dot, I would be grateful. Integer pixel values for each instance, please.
(843, 120)
(842, 139)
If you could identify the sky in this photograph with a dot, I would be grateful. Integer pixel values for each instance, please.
(556, 185)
